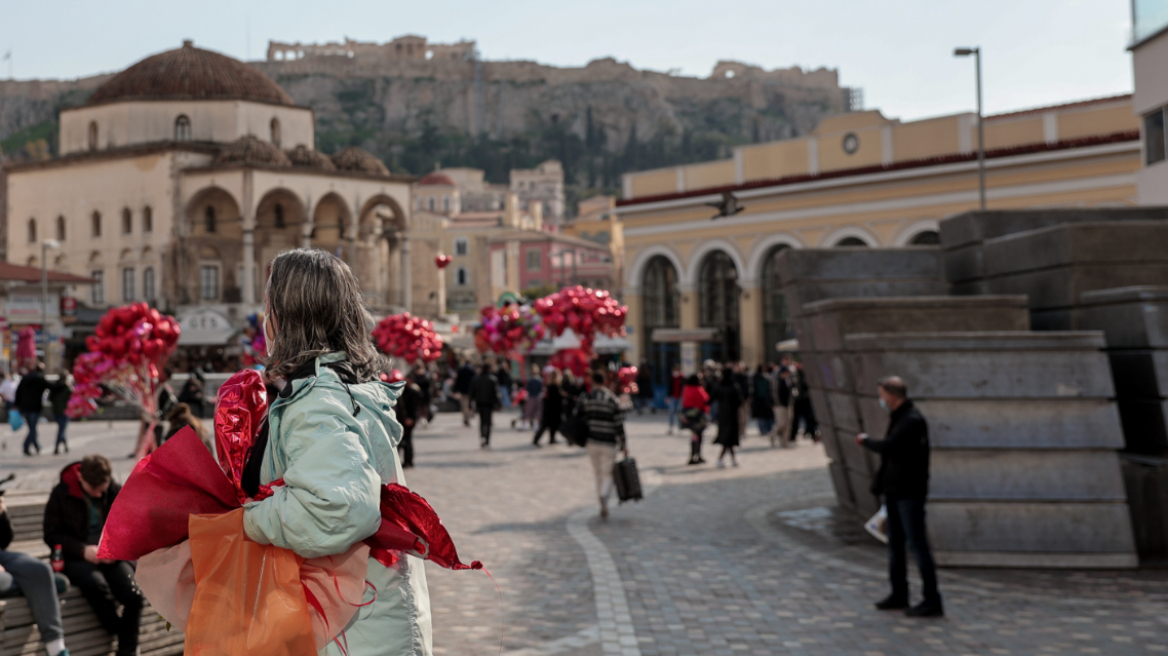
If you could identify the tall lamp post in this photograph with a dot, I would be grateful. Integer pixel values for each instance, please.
(45, 246)
(981, 185)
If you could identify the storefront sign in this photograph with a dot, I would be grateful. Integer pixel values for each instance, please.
(204, 328)
(27, 305)
(68, 306)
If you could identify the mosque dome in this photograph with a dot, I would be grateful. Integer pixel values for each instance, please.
(303, 156)
(361, 161)
(250, 150)
(190, 73)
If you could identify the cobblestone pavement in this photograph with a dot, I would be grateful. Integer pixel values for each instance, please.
(747, 560)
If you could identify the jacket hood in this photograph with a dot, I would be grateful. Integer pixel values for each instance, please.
(71, 476)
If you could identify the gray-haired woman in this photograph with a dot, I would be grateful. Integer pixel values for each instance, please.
(332, 436)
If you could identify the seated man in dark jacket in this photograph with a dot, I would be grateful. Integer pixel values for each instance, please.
(21, 574)
(903, 481)
(74, 518)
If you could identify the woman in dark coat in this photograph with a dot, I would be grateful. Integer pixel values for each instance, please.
(553, 409)
(762, 401)
(728, 396)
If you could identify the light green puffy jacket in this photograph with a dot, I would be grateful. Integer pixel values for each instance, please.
(333, 464)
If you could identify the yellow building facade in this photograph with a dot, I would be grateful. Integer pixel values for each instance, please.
(859, 180)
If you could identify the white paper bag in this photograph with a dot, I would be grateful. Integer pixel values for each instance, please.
(878, 524)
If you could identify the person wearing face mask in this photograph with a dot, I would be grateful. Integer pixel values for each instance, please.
(903, 481)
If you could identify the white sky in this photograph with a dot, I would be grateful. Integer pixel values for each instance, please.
(1036, 52)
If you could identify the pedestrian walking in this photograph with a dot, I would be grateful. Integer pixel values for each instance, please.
(33, 578)
(462, 382)
(742, 382)
(572, 391)
(409, 412)
(503, 376)
(903, 481)
(484, 396)
(59, 396)
(533, 405)
(644, 397)
(8, 385)
(782, 431)
(695, 406)
(553, 408)
(333, 441)
(676, 382)
(762, 405)
(803, 414)
(74, 518)
(606, 435)
(167, 400)
(29, 400)
(728, 395)
(192, 392)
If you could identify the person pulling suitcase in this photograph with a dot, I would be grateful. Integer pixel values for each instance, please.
(606, 435)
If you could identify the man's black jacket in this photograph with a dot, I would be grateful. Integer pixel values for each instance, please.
(67, 513)
(904, 455)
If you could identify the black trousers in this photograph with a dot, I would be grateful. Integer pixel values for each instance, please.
(550, 425)
(804, 411)
(103, 586)
(406, 447)
(485, 424)
(695, 445)
(906, 522)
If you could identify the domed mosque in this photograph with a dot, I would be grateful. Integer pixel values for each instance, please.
(185, 174)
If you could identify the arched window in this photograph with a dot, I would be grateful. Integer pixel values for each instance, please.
(93, 135)
(851, 241)
(127, 221)
(148, 283)
(279, 212)
(445, 203)
(32, 231)
(209, 219)
(276, 137)
(461, 276)
(182, 128)
(60, 228)
(95, 222)
(147, 219)
(926, 238)
(775, 325)
(718, 307)
(661, 301)
(430, 203)
(461, 246)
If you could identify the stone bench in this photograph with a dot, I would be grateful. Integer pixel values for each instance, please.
(84, 635)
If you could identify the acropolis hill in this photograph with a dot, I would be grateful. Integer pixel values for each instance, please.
(415, 103)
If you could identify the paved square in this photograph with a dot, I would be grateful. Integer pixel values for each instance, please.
(746, 560)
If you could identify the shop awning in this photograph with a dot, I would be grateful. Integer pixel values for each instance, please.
(673, 335)
(205, 328)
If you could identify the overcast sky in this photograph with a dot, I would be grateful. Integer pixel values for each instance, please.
(1037, 52)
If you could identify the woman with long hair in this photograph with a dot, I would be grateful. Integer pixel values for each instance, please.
(729, 397)
(331, 436)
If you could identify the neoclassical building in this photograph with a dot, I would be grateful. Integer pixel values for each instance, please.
(859, 180)
(185, 174)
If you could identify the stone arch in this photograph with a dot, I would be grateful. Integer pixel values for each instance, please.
(635, 274)
(717, 275)
(331, 221)
(915, 230)
(379, 258)
(855, 232)
(767, 245)
(660, 308)
(211, 207)
(690, 274)
(280, 220)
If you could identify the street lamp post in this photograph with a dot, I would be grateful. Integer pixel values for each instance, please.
(981, 184)
(45, 246)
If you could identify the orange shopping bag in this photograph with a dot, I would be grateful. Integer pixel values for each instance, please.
(248, 596)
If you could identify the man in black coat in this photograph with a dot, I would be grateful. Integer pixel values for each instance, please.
(462, 383)
(484, 394)
(903, 481)
(74, 518)
(29, 401)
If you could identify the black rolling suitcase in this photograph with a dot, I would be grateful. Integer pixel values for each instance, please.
(627, 480)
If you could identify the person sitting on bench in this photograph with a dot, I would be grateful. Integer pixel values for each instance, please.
(74, 518)
(21, 574)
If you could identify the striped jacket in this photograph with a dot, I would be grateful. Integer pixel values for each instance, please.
(606, 421)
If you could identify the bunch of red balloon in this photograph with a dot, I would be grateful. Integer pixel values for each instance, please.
(628, 380)
(587, 312)
(511, 329)
(407, 337)
(128, 346)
